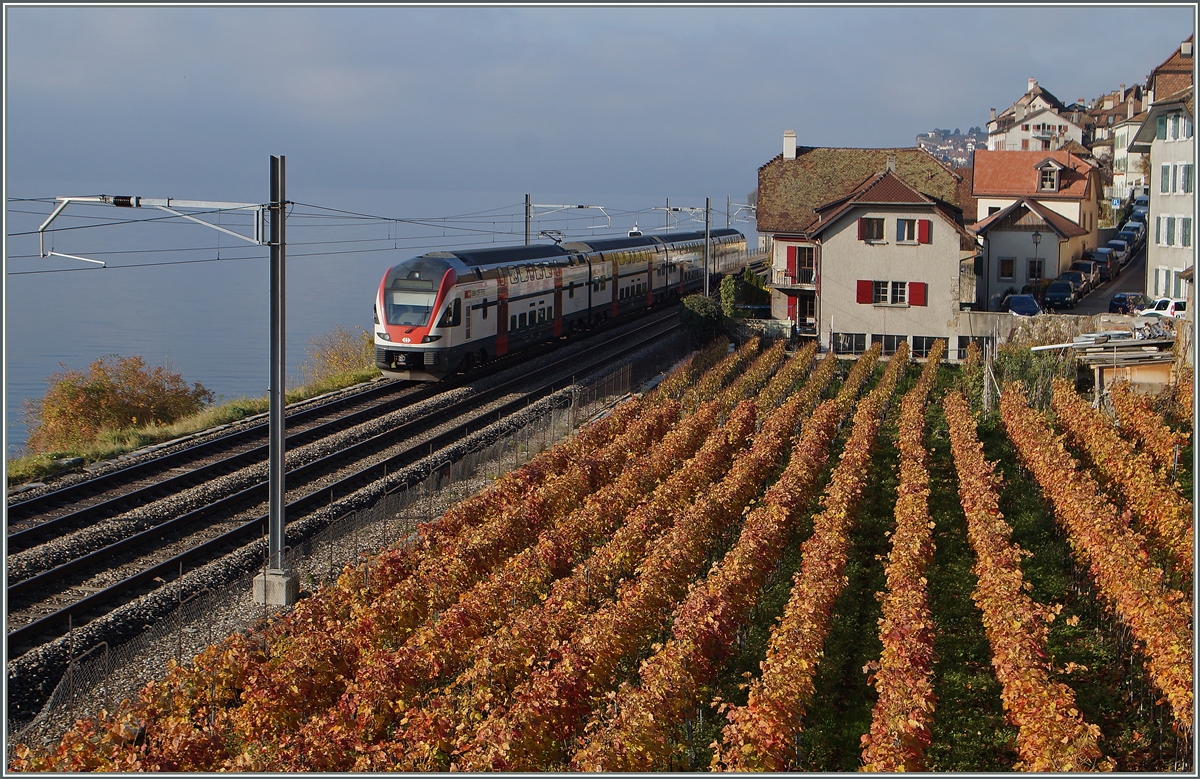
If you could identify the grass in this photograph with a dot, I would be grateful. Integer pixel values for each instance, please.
(111, 443)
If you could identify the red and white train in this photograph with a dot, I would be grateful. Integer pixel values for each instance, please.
(446, 311)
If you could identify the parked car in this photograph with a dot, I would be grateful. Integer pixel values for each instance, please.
(1121, 249)
(1173, 307)
(1130, 237)
(1137, 226)
(1128, 303)
(1090, 269)
(1061, 294)
(1077, 278)
(1021, 305)
(1106, 262)
(1138, 220)
(1141, 205)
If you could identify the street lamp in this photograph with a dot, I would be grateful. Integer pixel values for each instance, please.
(1037, 239)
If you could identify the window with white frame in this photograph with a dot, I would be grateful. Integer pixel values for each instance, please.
(898, 290)
(1185, 178)
(906, 229)
(1049, 180)
(1170, 231)
(880, 292)
(1164, 186)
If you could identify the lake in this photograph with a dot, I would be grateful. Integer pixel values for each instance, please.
(209, 320)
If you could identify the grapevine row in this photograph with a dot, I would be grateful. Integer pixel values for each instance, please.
(200, 717)
(1164, 515)
(761, 735)
(389, 680)
(539, 727)
(899, 733)
(1158, 617)
(501, 660)
(1052, 734)
(1139, 419)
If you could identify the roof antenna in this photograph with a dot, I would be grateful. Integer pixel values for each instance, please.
(635, 232)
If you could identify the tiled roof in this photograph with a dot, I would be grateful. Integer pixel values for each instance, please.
(1173, 75)
(1012, 173)
(1056, 221)
(884, 188)
(790, 191)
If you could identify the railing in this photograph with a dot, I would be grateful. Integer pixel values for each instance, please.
(783, 278)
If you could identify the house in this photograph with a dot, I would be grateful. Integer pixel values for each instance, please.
(1112, 109)
(1166, 136)
(1060, 181)
(1024, 243)
(868, 246)
(1130, 170)
(1037, 121)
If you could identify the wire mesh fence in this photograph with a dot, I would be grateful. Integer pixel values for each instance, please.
(101, 677)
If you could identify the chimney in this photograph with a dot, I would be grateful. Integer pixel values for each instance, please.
(1108, 102)
(1185, 49)
(1032, 85)
(1129, 105)
(789, 144)
(1123, 95)
(993, 115)
(891, 162)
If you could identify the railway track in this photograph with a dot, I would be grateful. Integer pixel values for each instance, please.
(126, 550)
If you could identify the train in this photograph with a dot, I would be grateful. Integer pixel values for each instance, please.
(449, 311)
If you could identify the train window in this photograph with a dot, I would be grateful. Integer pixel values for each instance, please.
(408, 308)
(521, 321)
(484, 307)
(571, 290)
(541, 315)
(513, 324)
(549, 312)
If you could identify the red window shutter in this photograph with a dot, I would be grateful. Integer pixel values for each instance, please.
(916, 293)
(862, 229)
(925, 230)
(865, 293)
(791, 308)
(791, 264)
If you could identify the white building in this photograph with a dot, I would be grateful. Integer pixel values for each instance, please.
(1037, 121)
(1166, 136)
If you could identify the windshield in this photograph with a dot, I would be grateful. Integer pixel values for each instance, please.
(1059, 286)
(408, 308)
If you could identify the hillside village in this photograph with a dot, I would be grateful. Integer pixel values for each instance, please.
(924, 243)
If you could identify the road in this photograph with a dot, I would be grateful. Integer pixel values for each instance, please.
(1132, 279)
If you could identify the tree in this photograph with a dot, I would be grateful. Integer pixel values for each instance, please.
(701, 319)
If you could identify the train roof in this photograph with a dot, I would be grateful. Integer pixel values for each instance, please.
(502, 255)
(507, 254)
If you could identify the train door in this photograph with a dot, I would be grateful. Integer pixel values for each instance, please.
(502, 313)
(558, 300)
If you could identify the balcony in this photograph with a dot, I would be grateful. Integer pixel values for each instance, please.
(804, 278)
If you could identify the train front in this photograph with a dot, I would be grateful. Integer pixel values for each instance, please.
(406, 319)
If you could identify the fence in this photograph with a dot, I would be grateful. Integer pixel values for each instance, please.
(102, 676)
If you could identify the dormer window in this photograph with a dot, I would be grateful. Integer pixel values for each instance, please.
(1049, 180)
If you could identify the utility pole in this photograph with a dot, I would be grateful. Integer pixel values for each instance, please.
(277, 585)
(728, 213)
(667, 216)
(528, 215)
(707, 215)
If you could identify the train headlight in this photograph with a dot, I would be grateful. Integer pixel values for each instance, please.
(384, 336)
(430, 339)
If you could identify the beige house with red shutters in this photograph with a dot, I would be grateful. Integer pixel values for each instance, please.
(869, 247)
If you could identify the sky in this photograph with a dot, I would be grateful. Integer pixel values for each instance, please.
(469, 105)
(442, 111)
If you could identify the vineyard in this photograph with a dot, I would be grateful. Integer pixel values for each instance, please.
(771, 561)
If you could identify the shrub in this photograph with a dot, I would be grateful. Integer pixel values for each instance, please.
(336, 352)
(116, 393)
(701, 319)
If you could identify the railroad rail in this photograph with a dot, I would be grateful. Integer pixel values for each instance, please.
(371, 458)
